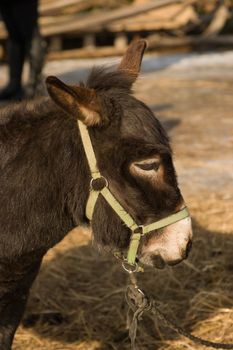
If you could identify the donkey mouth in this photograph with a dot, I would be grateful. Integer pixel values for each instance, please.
(154, 260)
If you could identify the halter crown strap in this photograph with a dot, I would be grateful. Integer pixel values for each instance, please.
(137, 230)
(89, 151)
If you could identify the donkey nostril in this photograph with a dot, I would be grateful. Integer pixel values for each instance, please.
(158, 261)
(188, 248)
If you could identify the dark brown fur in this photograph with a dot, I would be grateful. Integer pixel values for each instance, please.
(44, 181)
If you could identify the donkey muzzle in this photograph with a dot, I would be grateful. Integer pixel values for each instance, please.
(168, 246)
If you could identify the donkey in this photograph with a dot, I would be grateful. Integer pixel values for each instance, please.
(45, 177)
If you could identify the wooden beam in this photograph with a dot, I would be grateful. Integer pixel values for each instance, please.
(218, 21)
(155, 42)
(93, 21)
(106, 51)
(54, 8)
(89, 41)
(48, 8)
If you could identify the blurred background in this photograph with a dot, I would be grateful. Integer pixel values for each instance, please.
(77, 302)
(84, 28)
(39, 31)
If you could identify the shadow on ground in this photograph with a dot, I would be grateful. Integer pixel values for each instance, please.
(79, 294)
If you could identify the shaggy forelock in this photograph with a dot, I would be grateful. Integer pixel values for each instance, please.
(137, 118)
(105, 78)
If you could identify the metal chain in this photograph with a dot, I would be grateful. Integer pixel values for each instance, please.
(139, 303)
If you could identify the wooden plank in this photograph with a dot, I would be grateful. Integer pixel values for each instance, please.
(121, 41)
(156, 20)
(89, 41)
(91, 22)
(219, 19)
(63, 6)
(50, 7)
(106, 51)
(130, 18)
(158, 42)
(155, 42)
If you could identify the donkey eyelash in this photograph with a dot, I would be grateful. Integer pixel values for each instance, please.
(148, 166)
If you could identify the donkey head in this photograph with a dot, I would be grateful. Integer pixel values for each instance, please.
(133, 154)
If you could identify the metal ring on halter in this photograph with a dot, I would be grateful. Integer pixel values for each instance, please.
(98, 178)
(129, 268)
(139, 229)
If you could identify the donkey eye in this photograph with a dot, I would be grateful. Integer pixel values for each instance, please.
(148, 166)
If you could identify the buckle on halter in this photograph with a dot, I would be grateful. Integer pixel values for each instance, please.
(98, 184)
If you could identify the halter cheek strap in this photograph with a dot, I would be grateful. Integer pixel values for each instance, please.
(137, 231)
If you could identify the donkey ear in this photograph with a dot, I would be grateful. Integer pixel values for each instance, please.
(78, 101)
(132, 59)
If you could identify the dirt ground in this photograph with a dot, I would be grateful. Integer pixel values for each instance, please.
(77, 301)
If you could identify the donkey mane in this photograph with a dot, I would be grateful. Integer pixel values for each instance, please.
(27, 110)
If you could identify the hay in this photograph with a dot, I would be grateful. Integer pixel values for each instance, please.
(79, 293)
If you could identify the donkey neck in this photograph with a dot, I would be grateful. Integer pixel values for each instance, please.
(40, 132)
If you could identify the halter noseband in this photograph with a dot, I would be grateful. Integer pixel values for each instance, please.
(137, 231)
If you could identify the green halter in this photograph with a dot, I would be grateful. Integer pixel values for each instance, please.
(137, 230)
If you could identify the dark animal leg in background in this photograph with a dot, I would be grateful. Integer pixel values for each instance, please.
(16, 281)
(20, 18)
(37, 53)
(13, 89)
